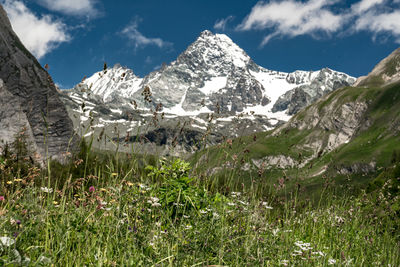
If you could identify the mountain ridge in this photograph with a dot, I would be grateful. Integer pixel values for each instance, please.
(201, 72)
(213, 78)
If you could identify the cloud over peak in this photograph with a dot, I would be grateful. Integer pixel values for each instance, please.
(40, 35)
(139, 40)
(222, 23)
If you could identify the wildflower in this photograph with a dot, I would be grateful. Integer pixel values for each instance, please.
(6, 241)
(275, 231)
(235, 194)
(2, 198)
(55, 202)
(284, 262)
(303, 246)
(339, 219)
(331, 261)
(144, 187)
(9, 182)
(46, 190)
(229, 142)
(297, 253)
(216, 215)
(114, 174)
(319, 253)
(91, 189)
(17, 180)
(129, 184)
(265, 204)
(154, 202)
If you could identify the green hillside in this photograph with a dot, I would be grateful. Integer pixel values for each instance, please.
(306, 142)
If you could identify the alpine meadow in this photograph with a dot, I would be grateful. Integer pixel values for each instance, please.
(209, 160)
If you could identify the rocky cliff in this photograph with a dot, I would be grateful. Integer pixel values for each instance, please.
(29, 97)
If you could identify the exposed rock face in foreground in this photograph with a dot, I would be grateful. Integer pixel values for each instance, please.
(29, 98)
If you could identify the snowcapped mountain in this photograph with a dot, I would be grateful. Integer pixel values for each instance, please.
(213, 76)
(119, 81)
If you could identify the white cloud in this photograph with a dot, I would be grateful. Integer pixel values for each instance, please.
(40, 35)
(364, 5)
(380, 23)
(139, 40)
(71, 7)
(221, 23)
(377, 17)
(291, 18)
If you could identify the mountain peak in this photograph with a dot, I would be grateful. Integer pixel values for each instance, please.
(216, 50)
(117, 66)
(206, 33)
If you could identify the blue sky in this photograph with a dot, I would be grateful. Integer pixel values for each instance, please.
(75, 37)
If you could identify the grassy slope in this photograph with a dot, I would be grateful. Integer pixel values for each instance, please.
(375, 143)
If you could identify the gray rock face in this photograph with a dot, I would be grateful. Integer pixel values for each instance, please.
(326, 81)
(29, 93)
(13, 119)
(330, 127)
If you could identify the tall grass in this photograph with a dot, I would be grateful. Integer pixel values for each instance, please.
(110, 210)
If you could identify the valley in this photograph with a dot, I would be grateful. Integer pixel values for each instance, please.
(210, 160)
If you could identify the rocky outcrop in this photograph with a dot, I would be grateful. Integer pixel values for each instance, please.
(331, 125)
(325, 82)
(30, 94)
(13, 119)
(385, 72)
(281, 162)
(357, 168)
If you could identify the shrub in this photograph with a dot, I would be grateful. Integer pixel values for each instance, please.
(177, 191)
